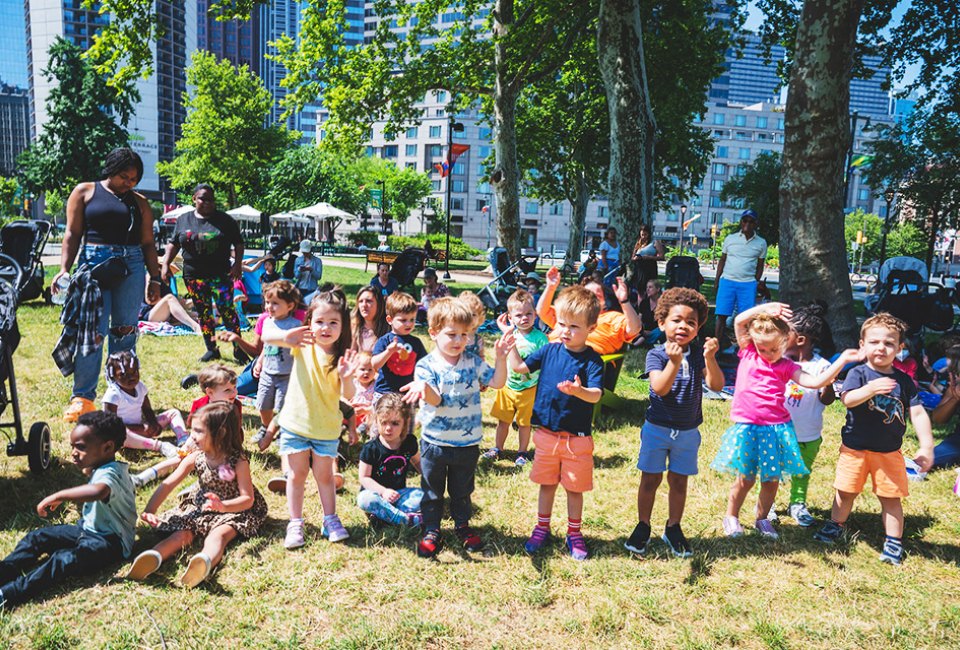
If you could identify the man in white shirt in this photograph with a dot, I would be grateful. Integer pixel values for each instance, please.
(740, 267)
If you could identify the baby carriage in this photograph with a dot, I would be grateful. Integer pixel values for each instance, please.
(684, 271)
(408, 265)
(24, 241)
(904, 292)
(36, 447)
(504, 282)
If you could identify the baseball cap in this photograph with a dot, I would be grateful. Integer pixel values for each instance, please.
(429, 272)
(749, 213)
(306, 246)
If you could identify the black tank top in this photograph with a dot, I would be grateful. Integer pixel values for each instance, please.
(112, 219)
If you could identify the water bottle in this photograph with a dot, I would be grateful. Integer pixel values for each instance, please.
(59, 290)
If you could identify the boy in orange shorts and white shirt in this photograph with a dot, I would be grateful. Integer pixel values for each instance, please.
(877, 397)
(571, 381)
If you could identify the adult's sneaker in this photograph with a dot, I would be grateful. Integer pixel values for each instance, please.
(675, 539)
(469, 538)
(830, 532)
(732, 527)
(800, 514)
(294, 537)
(637, 543)
(538, 539)
(766, 529)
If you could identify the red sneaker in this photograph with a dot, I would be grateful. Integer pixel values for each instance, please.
(430, 544)
(469, 538)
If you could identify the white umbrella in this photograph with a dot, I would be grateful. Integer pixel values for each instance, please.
(245, 213)
(289, 217)
(324, 210)
(173, 215)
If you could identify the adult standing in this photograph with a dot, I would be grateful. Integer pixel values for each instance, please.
(107, 220)
(646, 253)
(307, 271)
(609, 255)
(207, 237)
(739, 270)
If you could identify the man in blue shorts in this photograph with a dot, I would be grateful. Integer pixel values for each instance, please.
(739, 270)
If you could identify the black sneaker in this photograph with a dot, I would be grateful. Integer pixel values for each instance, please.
(638, 539)
(830, 532)
(189, 381)
(240, 356)
(675, 539)
(210, 355)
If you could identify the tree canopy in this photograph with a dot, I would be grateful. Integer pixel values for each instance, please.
(759, 189)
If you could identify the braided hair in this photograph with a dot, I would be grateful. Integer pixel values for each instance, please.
(119, 363)
(810, 321)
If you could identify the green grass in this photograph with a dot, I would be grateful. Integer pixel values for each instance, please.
(373, 592)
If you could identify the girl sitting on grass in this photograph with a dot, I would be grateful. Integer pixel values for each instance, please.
(225, 504)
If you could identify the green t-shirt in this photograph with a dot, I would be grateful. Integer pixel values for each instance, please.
(527, 344)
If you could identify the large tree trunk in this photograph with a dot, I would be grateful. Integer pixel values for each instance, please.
(507, 187)
(579, 199)
(816, 139)
(632, 126)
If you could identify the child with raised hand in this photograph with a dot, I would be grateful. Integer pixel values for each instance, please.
(571, 382)
(225, 504)
(514, 402)
(808, 330)
(762, 440)
(126, 396)
(107, 524)
(384, 463)
(323, 367)
(396, 353)
(448, 384)
(364, 379)
(280, 301)
(878, 398)
(479, 311)
(671, 430)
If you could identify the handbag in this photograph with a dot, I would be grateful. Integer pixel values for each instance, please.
(110, 273)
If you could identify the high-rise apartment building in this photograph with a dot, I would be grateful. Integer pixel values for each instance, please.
(237, 41)
(14, 126)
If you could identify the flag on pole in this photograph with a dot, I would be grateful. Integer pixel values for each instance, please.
(456, 150)
(690, 220)
(861, 160)
(485, 209)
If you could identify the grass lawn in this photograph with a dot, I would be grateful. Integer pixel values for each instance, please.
(373, 592)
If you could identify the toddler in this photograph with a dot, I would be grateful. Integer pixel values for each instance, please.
(225, 504)
(108, 518)
(514, 402)
(280, 301)
(432, 289)
(364, 380)
(385, 462)
(762, 439)
(396, 353)
(878, 398)
(671, 430)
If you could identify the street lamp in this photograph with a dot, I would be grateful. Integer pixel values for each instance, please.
(383, 206)
(848, 172)
(458, 127)
(888, 195)
(683, 214)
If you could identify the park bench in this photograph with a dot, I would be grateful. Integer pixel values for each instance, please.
(378, 257)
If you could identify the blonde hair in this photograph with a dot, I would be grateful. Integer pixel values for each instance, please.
(448, 311)
(578, 300)
(216, 375)
(393, 403)
(519, 298)
(767, 326)
(400, 303)
(887, 322)
(475, 305)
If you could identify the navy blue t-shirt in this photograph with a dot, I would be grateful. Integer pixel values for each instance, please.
(397, 372)
(555, 410)
(879, 423)
(682, 407)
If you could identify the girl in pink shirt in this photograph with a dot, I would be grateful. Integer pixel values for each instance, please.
(762, 440)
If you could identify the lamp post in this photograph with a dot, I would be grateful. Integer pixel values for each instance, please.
(383, 206)
(888, 195)
(458, 127)
(683, 214)
(848, 171)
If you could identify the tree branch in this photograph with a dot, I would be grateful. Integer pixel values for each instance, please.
(572, 36)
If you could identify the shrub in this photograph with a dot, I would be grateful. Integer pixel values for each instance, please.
(458, 249)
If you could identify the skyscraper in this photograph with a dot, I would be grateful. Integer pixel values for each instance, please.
(14, 126)
(867, 96)
(238, 41)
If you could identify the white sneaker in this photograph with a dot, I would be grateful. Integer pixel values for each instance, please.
(732, 527)
(143, 565)
(294, 536)
(801, 515)
(169, 450)
(198, 569)
(914, 473)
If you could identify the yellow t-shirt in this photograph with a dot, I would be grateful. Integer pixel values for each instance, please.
(608, 337)
(312, 406)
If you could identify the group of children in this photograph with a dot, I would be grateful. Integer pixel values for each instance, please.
(547, 389)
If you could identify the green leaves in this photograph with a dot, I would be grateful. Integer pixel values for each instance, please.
(759, 188)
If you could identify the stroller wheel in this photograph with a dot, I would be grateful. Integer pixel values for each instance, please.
(38, 444)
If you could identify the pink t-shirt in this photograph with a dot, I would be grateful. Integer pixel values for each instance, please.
(299, 314)
(759, 392)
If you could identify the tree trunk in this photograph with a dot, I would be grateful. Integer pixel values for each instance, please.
(932, 236)
(632, 125)
(816, 139)
(507, 187)
(579, 199)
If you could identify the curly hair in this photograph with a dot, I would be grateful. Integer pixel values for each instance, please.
(886, 321)
(107, 427)
(810, 321)
(684, 297)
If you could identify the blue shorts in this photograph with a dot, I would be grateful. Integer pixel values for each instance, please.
(292, 443)
(658, 443)
(735, 297)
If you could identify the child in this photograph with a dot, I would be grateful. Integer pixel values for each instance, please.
(396, 353)
(362, 401)
(878, 397)
(310, 420)
(384, 463)
(515, 400)
(108, 518)
(448, 384)
(571, 382)
(432, 289)
(671, 430)
(760, 420)
(280, 300)
(479, 311)
(126, 396)
(225, 504)
(808, 329)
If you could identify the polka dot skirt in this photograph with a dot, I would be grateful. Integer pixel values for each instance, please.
(768, 450)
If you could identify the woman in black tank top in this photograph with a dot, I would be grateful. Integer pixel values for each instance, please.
(106, 219)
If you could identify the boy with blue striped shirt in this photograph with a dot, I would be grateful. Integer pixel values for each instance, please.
(676, 372)
(448, 382)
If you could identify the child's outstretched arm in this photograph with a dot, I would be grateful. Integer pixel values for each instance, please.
(713, 373)
(347, 368)
(741, 325)
(545, 305)
(166, 487)
(502, 348)
(634, 322)
(236, 504)
(576, 389)
(805, 379)
(298, 337)
(921, 423)
(80, 494)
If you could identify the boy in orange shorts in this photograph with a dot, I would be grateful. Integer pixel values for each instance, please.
(877, 397)
(571, 381)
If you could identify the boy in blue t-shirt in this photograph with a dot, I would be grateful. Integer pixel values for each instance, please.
(571, 381)
(671, 429)
(396, 353)
(106, 529)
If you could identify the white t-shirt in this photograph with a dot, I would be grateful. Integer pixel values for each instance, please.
(742, 255)
(613, 253)
(804, 405)
(129, 407)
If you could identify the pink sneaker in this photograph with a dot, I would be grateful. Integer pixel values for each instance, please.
(577, 547)
(732, 527)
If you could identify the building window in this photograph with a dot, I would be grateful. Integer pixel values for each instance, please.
(434, 131)
(715, 202)
(485, 133)
(456, 204)
(412, 132)
(481, 204)
(722, 152)
(696, 200)
(761, 122)
(556, 209)
(436, 185)
(740, 120)
(412, 165)
(411, 150)
(863, 194)
(458, 169)
(436, 150)
(484, 151)
(720, 169)
(741, 170)
(459, 187)
(718, 118)
(602, 211)
(716, 185)
(741, 135)
(371, 151)
(532, 208)
(780, 124)
(744, 153)
(441, 95)
(390, 151)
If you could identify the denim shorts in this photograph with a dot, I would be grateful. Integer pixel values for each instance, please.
(657, 444)
(292, 443)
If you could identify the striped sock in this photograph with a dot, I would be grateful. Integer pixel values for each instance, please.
(893, 546)
(543, 520)
(573, 526)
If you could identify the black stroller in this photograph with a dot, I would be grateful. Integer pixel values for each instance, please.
(905, 292)
(684, 271)
(504, 282)
(23, 241)
(408, 265)
(36, 447)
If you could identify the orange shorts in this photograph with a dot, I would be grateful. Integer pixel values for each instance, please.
(564, 459)
(885, 469)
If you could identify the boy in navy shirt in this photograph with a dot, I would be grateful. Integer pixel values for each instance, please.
(396, 353)
(571, 381)
(671, 429)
